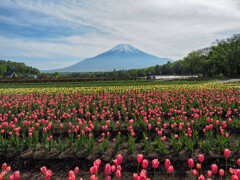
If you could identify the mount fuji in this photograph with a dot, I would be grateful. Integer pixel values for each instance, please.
(122, 56)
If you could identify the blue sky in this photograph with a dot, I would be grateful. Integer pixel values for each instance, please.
(54, 34)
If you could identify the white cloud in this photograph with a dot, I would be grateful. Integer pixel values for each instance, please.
(170, 28)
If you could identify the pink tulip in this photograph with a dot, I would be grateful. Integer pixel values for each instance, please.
(194, 172)
(107, 169)
(43, 169)
(209, 173)
(201, 157)
(113, 168)
(4, 165)
(48, 174)
(191, 163)
(139, 158)
(16, 175)
(221, 172)
(119, 158)
(167, 163)
(170, 169)
(214, 168)
(227, 153)
(70, 173)
(145, 163)
(135, 176)
(155, 163)
(201, 177)
(131, 121)
(234, 177)
(118, 174)
(93, 177)
(94, 169)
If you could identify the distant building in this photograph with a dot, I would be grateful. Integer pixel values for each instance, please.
(9, 75)
(32, 76)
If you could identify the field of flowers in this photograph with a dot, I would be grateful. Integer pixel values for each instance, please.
(183, 131)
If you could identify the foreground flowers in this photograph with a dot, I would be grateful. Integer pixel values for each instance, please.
(6, 173)
(114, 171)
(159, 119)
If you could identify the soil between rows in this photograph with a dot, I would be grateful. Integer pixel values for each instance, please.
(29, 164)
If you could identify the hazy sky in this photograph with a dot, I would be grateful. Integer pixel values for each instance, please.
(50, 34)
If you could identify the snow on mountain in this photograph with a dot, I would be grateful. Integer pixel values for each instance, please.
(123, 49)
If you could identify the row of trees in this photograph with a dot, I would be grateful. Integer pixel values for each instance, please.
(18, 68)
(221, 59)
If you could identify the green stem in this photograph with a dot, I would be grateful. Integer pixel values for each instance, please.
(138, 168)
(154, 173)
(226, 168)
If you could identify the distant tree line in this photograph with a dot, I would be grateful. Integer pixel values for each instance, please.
(222, 59)
(18, 68)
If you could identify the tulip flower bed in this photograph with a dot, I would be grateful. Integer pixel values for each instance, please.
(64, 128)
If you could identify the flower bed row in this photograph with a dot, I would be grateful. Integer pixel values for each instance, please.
(114, 170)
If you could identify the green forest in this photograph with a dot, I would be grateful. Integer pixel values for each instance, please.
(18, 68)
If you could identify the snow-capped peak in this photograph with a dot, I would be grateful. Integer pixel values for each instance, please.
(123, 49)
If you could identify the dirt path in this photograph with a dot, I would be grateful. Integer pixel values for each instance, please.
(225, 81)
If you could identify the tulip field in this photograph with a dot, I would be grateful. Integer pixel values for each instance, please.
(171, 131)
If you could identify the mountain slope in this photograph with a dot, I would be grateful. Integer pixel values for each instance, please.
(122, 56)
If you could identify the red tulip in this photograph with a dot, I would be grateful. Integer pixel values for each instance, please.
(155, 163)
(237, 172)
(107, 169)
(119, 167)
(118, 174)
(48, 174)
(70, 173)
(234, 177)
(209, 173)
(201, 177)
(227, 153)
(238, 161)
(119, 158)
(194, 172)
(139, 158)
(16, 175)
(93, 177)
(135, 176)
(167, 163)
(43, 169)
(76, 170)
(113, 168)
(131, 121)
(61, 126)
(214, 168)
(8, 168)
(115, 162)
(4, 165)
(170, 169)
(94, 169)
(191, 163)
(221, 172)
(201, 157)
(145, 163)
